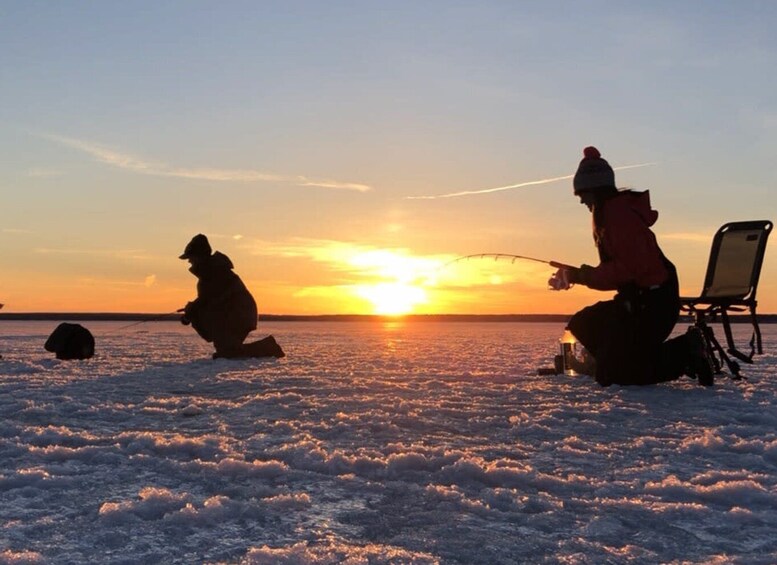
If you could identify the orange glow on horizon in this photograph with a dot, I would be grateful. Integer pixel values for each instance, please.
(314, 277)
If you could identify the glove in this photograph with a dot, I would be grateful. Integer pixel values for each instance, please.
(560, 279)
(184, 320)
(581, 275)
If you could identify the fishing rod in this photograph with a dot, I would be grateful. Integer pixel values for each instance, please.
(513, 258)
(152, 319)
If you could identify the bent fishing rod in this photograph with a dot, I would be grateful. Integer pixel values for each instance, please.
(513, 258)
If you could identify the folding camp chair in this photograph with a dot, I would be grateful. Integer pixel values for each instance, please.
(729, 286)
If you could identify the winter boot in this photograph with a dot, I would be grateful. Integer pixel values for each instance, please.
(266, 347)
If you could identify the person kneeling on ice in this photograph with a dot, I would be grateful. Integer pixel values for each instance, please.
(224, 311)
(626, 335)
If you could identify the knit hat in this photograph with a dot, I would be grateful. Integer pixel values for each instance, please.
(593, 173)
(197, 247)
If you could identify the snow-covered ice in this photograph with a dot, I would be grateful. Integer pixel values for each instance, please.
(374, 443)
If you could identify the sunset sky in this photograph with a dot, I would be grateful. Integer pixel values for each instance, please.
(341, 152)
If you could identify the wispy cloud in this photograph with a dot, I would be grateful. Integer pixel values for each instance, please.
(147, 282)
(689, 236)
(124, 254)
(513, 186)
(16, 231)
(357, 259)
(365, 262)
(302, 181)
(44, 173)
(138, 165)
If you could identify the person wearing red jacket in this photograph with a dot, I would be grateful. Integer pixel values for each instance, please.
(627, 336)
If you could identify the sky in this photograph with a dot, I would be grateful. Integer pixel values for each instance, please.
(324, 147)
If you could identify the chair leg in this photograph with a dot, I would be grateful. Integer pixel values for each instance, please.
(732, 348)
(756, 331)
(714, 347)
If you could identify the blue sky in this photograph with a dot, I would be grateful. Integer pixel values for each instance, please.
(287, 130)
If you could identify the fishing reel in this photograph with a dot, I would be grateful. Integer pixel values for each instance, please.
(560, 280)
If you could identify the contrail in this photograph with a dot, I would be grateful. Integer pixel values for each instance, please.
(511, 186)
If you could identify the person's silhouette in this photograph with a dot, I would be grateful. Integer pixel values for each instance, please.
(627, 336)
(224, 311)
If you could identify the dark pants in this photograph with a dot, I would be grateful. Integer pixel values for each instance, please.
(227, 338)
(626, 336)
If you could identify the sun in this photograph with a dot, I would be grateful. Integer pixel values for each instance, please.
(392, 298)
(398, 283)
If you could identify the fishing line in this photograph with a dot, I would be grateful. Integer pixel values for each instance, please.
(154, 319)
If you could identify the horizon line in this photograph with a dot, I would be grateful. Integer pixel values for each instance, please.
(167, 317)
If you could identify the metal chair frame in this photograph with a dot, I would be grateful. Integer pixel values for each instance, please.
(718, 301)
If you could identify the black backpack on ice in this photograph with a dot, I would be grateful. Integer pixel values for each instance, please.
(71, 341)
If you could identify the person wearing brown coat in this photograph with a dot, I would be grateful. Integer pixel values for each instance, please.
(224, 312)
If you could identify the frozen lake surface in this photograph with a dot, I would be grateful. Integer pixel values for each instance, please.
(374, 443)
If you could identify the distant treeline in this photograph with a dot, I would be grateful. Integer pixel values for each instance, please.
(124, 317)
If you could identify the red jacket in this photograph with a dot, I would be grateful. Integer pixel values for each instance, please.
(628, 249)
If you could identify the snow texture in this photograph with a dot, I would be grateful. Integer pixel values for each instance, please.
(373, 443)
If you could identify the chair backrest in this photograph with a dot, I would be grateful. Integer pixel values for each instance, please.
(735, 260)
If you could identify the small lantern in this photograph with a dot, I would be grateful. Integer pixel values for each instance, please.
(568, 345)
